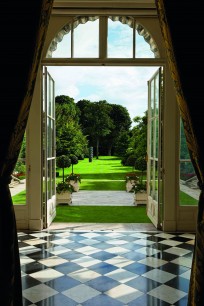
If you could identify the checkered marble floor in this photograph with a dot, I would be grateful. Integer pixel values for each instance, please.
(105, 268)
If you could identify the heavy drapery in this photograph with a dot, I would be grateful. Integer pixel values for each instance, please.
(23, 28)
(182, 29)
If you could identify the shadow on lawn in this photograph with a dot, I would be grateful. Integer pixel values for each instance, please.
(106, 176)
(109, 158)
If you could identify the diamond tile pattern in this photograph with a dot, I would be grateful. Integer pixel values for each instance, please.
(105, 268)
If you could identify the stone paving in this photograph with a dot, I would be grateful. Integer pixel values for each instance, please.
(105, 198)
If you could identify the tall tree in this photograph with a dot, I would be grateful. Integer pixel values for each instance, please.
(69, 136)
(121, 123)
(99, 122)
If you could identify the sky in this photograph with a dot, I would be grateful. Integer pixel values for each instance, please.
(126, 86)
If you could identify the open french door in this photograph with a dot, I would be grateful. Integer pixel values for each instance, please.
(48, 148)
(154, 150)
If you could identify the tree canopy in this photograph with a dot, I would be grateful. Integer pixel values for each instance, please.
(69, 136)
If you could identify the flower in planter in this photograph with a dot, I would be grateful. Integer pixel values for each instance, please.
(73, 177)
(131, 177)
(139, 187)
(63, 187)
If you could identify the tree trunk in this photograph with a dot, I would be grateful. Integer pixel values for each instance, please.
(97, 148)
(109, 150)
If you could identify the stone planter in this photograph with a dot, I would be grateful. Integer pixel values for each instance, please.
(75, 185)
(129, 185)
(140, 198)
(64, 198)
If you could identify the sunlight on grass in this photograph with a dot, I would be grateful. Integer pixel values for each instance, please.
(19, 198)
(102, 214)
(105, 173)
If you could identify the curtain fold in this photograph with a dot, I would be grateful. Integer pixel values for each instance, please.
(23, 28)
(182, 28)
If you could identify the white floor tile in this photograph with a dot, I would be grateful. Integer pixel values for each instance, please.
(119, 261)
(153, 262)
(46, 275)
(81, 293)
(167, 294)
(177, 251)
(38, 293)
(84, 275)
(124, 293)
(182, 261)
(159, 276)
(86, 261)
(52, 261)
(121, 275)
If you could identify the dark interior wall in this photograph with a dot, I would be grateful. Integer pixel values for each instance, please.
(18, 22)
(185, 20)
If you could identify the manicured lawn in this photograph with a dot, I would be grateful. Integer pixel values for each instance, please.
(20, 198)
(102, 214)
(105, 173)
(185, 199)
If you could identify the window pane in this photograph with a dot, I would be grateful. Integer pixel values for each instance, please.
(120, 40)
(156, 137)
(152, 138)
(152, 181)
(189, 192)
(64, 47)
(142, 48)
(19, 173)
(86, 39)
(152, 98)
(156, 94)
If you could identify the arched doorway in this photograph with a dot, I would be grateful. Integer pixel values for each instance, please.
(147, 20)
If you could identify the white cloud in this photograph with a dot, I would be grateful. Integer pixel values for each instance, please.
(119, 85)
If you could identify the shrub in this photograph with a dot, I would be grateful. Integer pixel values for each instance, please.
(130, 161)
(63, 161)
(74, 161)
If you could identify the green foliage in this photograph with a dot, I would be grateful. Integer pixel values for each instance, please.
(130, 161)
(74, 161)
(137, 149)
(141, 164)
(105, 122)
(20, 167)
(122, 143)
(132, 176)
(69, 136)
(23, 148)
(121, 125)
(98, 121)
(63, 161)
(139, 186)
(63, 187)
(73, 177)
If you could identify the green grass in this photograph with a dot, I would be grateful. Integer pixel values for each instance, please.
(105, 173)
(185, 199)
(20, 198)
(102, 214)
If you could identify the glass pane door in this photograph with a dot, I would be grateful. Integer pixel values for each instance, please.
(155, 149)
(48, 145)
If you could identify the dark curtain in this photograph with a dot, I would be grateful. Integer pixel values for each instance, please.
(181, 24)
(23, 28)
